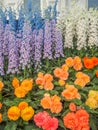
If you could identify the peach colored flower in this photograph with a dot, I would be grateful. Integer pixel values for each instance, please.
(57, 72)
(22, 105)
(46, 102)
(64, 75)
(70, 121)
(65, 67)
(61, 82)
(40, 81)
(15, 83)
(48, 77)
(69, 62)
(80, 82)
(77, 63)
(71, 92)
(48, 85)
(72, 107)
(56, 107)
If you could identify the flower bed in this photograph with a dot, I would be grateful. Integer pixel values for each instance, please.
(63, 97)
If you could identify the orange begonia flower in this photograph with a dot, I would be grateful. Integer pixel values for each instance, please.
(88, 63)
(40, 74)
(56, 107)
(64, 75)
(27, 84)
(80, 82)
(22, 105)
(15, 83)
(48, 86)
(20, 92)
(65, 67)
(0, 117)
(27, 113)
(13, 113)
(0, 105)
(46, 102)
(69, 62)
(77, 63)
(61, 82)
(72, 107)
(71, 92)
(1, 85)
(95, 60)
(57, 72)
(70, 121)
(40, 81)
(48, 77)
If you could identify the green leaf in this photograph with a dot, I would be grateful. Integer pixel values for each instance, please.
(61, 124)
(31, 127)
(92, 123)
(11, 126)
(77, 101)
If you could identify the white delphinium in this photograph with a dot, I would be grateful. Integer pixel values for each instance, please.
(93, 29)
(81, 30)
(69, 33)
(61, 23)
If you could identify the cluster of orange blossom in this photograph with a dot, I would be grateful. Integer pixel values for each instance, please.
(53, 103)
(23, 110)
(21, 89)
(82, 79)
(45, 81)
(71, 92)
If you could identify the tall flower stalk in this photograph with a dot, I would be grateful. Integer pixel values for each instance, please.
(13, 58)
(25, 48)
(38, 48)
(47, 41)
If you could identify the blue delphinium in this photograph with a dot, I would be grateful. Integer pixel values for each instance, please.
(12, 19)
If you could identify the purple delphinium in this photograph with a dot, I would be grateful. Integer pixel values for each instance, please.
(13, 56)
(58, 45)
(38, 48)
(47, 40)
(18, 39)
(1, 49)
(53, 30)
(32, 43)
(25, 47)
(6, 40)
